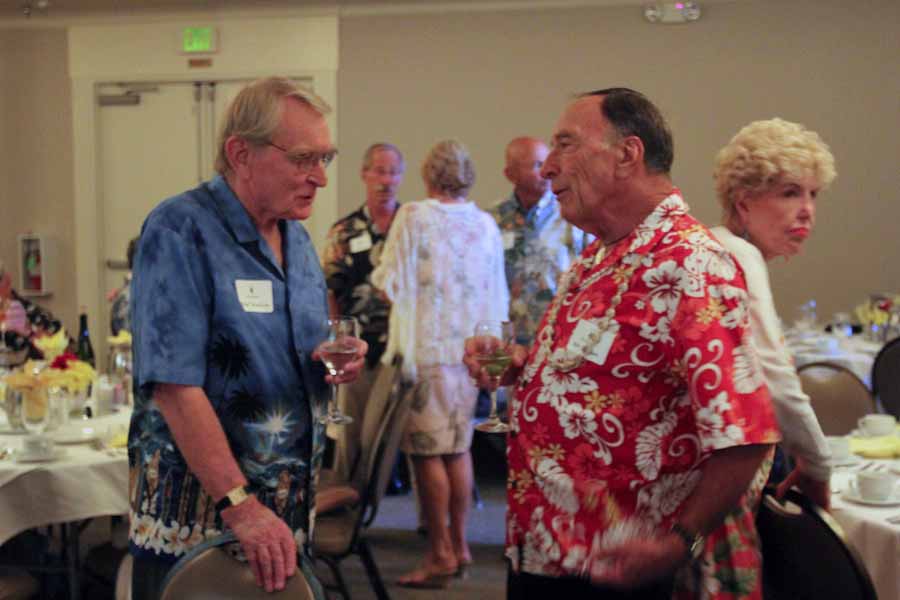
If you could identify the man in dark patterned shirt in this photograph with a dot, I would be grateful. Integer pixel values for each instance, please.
(354, 248)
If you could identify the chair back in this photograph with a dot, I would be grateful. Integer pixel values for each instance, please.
(382, 452)
(805, 553)
(209, 572)
(886, 377)
(837, 395)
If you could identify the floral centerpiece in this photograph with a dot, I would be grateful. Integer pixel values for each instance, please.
(878, 313)
(69, 373)
(52, 346)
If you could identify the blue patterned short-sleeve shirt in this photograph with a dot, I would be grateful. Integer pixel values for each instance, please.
(539, 245)
(212, 308)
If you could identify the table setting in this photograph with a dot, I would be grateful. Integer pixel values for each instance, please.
(865, 486)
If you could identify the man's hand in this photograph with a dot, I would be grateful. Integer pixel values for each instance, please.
(817, 491)
(353, 368)
(637, 562)
(476, 372)
(266, 541)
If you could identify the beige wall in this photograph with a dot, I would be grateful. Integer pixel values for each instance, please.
(486, 77)
(36, 170)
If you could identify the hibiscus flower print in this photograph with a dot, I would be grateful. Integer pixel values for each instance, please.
(665, 286)
(576, 421)
(558, 383)
(747, 374)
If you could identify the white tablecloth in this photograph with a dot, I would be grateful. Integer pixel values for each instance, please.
(854, 353)
(84, 483)
(876, 540)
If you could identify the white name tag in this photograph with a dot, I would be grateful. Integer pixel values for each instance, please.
(255, 295)
(509, 239)
(360, 243)
(583, 336)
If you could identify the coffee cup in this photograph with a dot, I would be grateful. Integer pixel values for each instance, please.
(37, 447)
(840, 448)
(876, 486)
(875, 425)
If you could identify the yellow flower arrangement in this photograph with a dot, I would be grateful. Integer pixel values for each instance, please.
(52, 346)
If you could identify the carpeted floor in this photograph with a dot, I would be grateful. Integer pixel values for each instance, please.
(398, 548)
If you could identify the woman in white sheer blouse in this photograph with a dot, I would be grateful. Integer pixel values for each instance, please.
(767, 180)
(442, 268)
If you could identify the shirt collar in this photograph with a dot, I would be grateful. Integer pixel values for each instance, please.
(234, 213)
(546, 200)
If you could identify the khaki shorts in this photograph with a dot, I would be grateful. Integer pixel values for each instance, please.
(440, 421)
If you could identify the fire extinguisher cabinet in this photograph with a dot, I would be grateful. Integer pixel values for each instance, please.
(37, 260)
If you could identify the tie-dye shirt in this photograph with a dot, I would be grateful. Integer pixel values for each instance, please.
(211, 307)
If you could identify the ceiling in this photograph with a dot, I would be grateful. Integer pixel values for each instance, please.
(84, 8)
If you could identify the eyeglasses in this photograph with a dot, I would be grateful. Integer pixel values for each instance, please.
(306, 161)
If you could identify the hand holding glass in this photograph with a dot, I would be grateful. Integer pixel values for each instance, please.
(493, 351)
(338, 349)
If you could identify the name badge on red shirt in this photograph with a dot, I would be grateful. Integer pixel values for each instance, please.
(590, 341)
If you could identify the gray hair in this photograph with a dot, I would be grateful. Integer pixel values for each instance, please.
(448, 168)
(369, 156)
(255, 113)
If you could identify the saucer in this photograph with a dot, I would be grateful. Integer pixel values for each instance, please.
(75, 434)
(853, 496)
(848, 461)
(57, 454)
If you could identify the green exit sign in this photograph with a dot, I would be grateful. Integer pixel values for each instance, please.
(196, 40)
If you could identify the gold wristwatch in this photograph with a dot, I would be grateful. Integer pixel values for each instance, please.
(232, 498)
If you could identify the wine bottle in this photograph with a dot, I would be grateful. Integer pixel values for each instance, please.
(85, 350)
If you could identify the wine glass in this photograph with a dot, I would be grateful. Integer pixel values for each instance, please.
(338, 349)
(493, 351)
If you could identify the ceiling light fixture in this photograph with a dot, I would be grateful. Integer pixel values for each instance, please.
(672, 12)
(29, 6)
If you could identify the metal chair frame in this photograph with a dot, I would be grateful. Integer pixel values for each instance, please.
(889, 400)
(779, 516)
(378, 463)
(844, 371)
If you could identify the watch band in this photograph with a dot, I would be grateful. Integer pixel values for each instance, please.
(233, 497)
(693, 542)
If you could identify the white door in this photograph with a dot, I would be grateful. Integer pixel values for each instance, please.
(149, 150)
(156, 140)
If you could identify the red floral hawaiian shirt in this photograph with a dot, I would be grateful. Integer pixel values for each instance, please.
(640, 370)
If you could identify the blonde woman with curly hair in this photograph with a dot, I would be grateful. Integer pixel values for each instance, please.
(768, 178)
(442, 268)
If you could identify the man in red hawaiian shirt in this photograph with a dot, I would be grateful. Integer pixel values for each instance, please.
(640, 416)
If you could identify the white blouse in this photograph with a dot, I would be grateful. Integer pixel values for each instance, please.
(802, 434)
(442, 267)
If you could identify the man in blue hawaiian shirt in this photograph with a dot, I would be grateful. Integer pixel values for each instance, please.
(228, 307)
(539, 245)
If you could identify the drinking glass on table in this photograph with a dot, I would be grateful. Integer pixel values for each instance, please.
(493, 351)
(338, 349)
(35, 410)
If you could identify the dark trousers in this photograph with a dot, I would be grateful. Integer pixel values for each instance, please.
(524, 586)
(147, 577)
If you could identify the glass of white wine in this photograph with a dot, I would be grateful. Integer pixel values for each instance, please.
(493, 351)
(338, 349)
